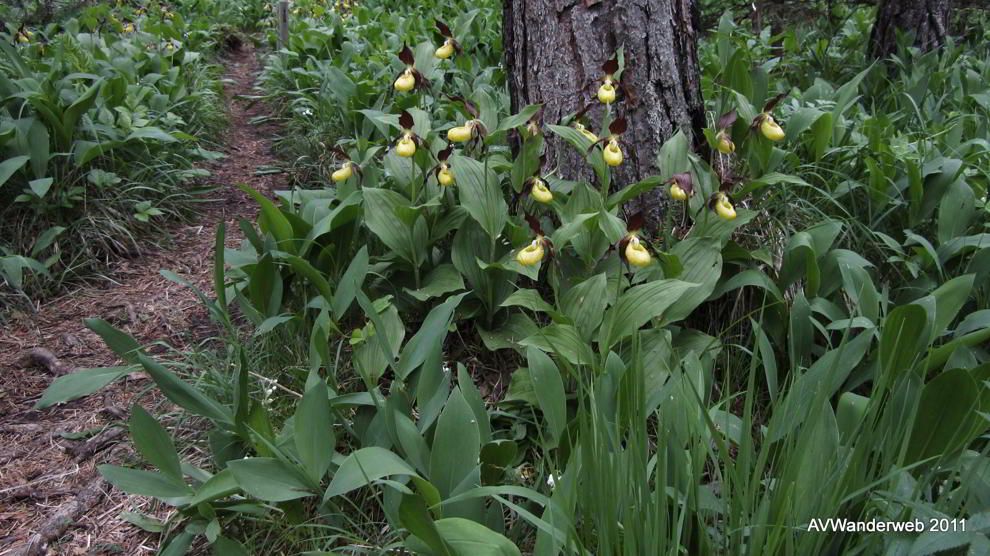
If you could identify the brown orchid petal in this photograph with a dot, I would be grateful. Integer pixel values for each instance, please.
(406, 120)
(407, 56)
(773, 102)
(618, 127)
(726, 120)
(611, 66)
(635, 222)
(534, 224)
(444, 30)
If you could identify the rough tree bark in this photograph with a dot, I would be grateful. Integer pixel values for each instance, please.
(926, 18)
(554, 53)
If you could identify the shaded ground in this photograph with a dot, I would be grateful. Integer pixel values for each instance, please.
(45, 474)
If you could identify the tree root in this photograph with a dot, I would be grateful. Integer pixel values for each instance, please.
(41, 357)
(85, 450)
(64, 516)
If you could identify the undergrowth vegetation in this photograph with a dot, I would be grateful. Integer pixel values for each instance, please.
(104, 117)
(432, 343)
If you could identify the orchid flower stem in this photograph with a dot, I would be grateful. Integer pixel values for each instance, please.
(667, 227)
(607, 181)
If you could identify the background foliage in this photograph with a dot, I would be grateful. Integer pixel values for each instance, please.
(392, 376)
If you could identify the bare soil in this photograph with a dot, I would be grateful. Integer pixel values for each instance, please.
(45, 474)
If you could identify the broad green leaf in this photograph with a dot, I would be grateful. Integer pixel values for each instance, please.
(362, 467)
(518, 119)
(563, 340)
(672, 157)
(416, 518)
(381, 217)
(269, 479)
(956, 211)
(702, 262)
(637, 306)
(940, 355)
(582, 145)
(229, 547)
(78, 384)
(144, 483)
(219, 289)
(273, 221)
(314, 436)
(441, 280)
(947, 418)
(75, 111)
(350, 282)
(479, 192)
(271, 323)
(585, 304)
(850, 413)
(456, 445)
(184, 395)
(496, 456)
(315, 277)
(549, 388)
(468, 537)
(153, 133)
(817, 385)
(942, 542)
(431, 332)
(473, 398)
(11, 165)
(903, 339)
(632, 191)
(39, 144)
(153, 443)
(950, 297)
(119, 342)
(221, 485)
(528, 299)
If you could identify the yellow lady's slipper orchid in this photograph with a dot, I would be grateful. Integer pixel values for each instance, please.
(342, 174)
(584, 131)
(445, 176)
(613, 154)
(129, 28)
(445, 51)
(771, 129)
(406, 146)
(531, 254)
(406, 81)
(606, 93)
(22, 37)
(725, 144)
(636, 254)
(724, 208)
(677, 193)
(541, 192)
(459, 134)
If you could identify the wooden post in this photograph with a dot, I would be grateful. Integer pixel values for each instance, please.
(282, 14)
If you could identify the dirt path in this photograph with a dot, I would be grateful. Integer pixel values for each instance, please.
(42, 475)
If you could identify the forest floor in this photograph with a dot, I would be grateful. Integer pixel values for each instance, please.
(48, 457)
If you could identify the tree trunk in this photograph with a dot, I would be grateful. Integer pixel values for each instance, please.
(554, 55)
(925, 18)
